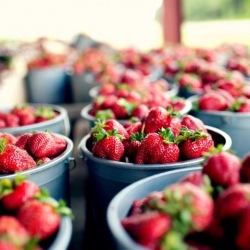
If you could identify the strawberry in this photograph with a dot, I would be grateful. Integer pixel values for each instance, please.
(2, 123)
(245, 168)
(193, 123)
(108, 145)
(60, 145)
(39, 218)
(25, 114)
(134, 127)
(241, 105)
(160, 117)
(212, 101)
(8, 245)
(195, 201)
(42, 160)
(223, 168)
(15, 194)
(22, 141)
(11, 120)
(140, 111)
(232, 201)
(194, 143)
(44, 114)
(133, 145)
(148, 228)
(42, 144)
(200, 180)
(123, 108)
(13, 230)
(10, 139)
(190, 82)
(13, 158)
(243, 232)
(158, 148)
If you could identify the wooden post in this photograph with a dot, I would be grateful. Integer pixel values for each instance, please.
(171, 18)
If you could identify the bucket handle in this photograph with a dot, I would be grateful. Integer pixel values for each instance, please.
(70, 160)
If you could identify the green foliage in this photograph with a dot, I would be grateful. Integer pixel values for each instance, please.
(197, 10)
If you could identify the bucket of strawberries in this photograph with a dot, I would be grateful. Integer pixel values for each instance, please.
(26, 117)
(43, 156)
(195, 208)
(117, 155)
(31, 219)
(229, 110)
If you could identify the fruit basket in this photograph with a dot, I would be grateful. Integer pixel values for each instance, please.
(28, 212)
(233, 122)
(46, 158)
(214, 218)
(32, 116)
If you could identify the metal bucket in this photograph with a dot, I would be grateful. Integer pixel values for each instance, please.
(120, 205)
(236, 125)
(81, 85)
(54, 175)
(60, 124)
(91, 119)
(107, 178)
(49, 85)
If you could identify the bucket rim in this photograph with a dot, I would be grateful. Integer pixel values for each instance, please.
(194, 98)
(112, 215)
(86, 154)
(47, 165)
(63, 114)
(85, 111)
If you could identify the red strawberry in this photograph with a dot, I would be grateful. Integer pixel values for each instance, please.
(212, 101)
(13, 230)
(190, 82)
(40, 219)
(60, 144)
(11, 120)
(19, 194)
(44, 114)
(159, 117)
(22, 141)
(42, 160)
(243, 234)
(158, 148)
(245, 168)
(42, 144)
(123, 108)
(13, 158)
(2, 123)
(108, 145)
(148, 228)
(133, 145)
(241, 105)
(194, 143)
(10, 139)
(223, 168)
(231, 202)
(200, 180)
(193, 123)
(7, 245)
(25, 114)
(133, 127)
(199, 204)
(141, 111)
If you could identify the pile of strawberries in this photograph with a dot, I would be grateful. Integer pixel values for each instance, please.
(25, 114)
(209, 209)
(233, 99)
(160, 137)
(29, 150)
(29, 217)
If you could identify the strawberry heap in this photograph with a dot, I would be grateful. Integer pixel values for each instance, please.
(160, 137)
(25, 114)
(29, 217)
(29, 150)
(209, 209)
